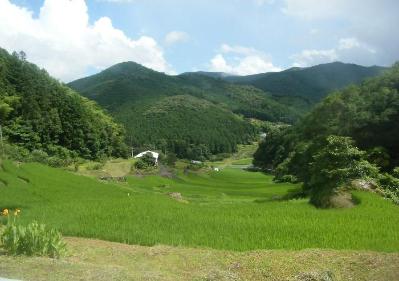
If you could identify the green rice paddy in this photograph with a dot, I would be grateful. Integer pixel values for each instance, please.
(231, 209)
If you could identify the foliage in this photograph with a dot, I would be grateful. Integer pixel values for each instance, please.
(187, 126)
(190, 115)
(43, 116)
(334, 164)
(367, 113)
(274, 148)
(146, 161)
(303, 87)
(32, 240)
(171, 159)
(229, 209)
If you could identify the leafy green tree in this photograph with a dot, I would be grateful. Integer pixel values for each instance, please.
(171, 159)
(39, 113)
(336, 162)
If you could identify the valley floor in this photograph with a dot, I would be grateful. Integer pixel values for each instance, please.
(104, 261)
(207, 225)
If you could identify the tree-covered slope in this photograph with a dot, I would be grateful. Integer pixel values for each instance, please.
(310, 84)
(189, 126)
(134, 94)
(39, 113)
(352, 134)
(132, 83)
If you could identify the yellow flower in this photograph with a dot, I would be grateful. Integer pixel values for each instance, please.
(18, 211)
(5, 212)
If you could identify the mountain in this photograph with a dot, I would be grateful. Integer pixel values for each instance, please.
(216, 75)
(308, 85)
(367, 113)
(133, 94)
(129, 82)
(40, 114)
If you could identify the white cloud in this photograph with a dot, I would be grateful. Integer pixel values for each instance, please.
(370, 21)
(174, 37)
(61, 39)
(241, 61)
(346, 50)
(312, 57)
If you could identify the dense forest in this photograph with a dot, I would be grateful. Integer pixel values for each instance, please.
(301, 88)
(351, 134)
(193, 116)
(41, 117)
(190, 127)
(130, 91)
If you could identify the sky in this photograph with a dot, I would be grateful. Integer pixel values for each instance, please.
(75, 38)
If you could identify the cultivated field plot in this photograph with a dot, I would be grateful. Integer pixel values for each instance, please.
(231, 209)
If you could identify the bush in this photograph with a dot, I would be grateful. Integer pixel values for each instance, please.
(140, 164)
(146, 161)
(390, 182)
(31, 240)
(171, 159)
(287, 178)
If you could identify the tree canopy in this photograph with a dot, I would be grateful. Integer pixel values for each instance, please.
(39, 113)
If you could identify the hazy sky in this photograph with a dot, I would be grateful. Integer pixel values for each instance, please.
(74, 38)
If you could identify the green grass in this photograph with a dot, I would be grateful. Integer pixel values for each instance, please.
(245, 161)
(103, 261)
(221, 211)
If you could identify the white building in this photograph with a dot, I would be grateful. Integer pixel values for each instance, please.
(154, 154)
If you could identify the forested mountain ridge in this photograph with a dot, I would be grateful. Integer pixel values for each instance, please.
(130, 82)
(129, 91)
(310, 84)
(188, 126)
(40, 114)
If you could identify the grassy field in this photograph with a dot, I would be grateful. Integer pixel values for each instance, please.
(94, 260)
(231, 209)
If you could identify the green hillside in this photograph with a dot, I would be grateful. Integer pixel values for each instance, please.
(196, 111)
(40, 114)
(189, 126)
(352, 134)
(308, 85)
(231, 209)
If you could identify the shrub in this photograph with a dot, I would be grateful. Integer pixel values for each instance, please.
(31, 240)
(288, 178)
(171, 159)
(38, 156)
(390, 182)
(146, 161)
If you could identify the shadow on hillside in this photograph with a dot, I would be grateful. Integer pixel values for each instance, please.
(291, 194)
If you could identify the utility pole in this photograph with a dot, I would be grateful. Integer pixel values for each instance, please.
(131, 145)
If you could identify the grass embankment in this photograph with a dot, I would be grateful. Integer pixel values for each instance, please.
(231, 209)
(103, 261)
